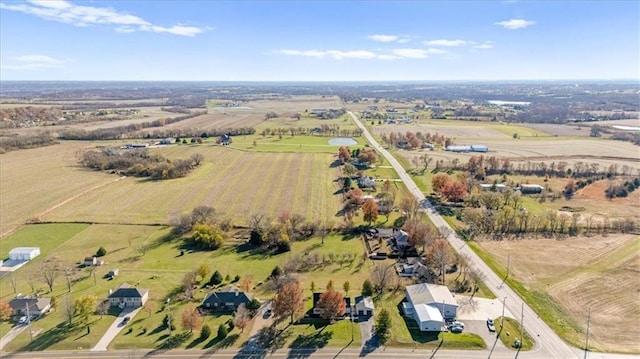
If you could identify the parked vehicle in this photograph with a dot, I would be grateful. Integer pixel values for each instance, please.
(126, 320)
(491, 325)
(456, 329)
(23, 320)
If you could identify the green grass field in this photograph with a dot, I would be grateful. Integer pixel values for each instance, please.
(511, 332)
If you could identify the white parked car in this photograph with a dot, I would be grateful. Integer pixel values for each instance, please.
(23, 320)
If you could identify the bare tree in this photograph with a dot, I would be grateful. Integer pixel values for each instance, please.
(196, 158)
(69, 273)
(188, 283)
(410, 206)
(49, 272)
(476, 278)
(67, 308)
(439, 255)
(142, 248)
(257, 221)
(12, 278)
(380, 276)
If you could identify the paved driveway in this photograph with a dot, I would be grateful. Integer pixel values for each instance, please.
(115, 328)
(11, 334)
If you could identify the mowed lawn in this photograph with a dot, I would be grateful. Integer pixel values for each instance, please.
(35, 180)
(236, 183)
(160, 269)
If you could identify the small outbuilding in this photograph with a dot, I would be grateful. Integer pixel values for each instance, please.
(24, 253)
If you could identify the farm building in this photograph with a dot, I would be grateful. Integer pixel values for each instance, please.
(479, 148)
(437, 296)
(90, 261)
(366, 182)
(128, 296)
(452, 148)
(490, 187)
(427, 317)
(467, 148)
(364, 306)
(400, 239)
(24, 253)
(531, 189)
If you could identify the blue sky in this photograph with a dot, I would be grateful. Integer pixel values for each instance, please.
(319, 40)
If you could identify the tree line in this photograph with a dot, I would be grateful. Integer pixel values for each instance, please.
(120, 132)
(19, 142)
(322, 130)
(410, 140)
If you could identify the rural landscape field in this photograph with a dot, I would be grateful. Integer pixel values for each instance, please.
(277, 190)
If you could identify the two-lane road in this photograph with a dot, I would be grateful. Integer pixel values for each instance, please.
(548, 343)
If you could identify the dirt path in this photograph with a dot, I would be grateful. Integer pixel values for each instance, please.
(40, 216)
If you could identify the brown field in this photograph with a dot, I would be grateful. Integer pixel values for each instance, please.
(458, 131)
(578, 129)
(234, 182)
(600, 273)
(252, 113)
(35, 180)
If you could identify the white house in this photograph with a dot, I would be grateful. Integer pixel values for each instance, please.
(437, 297)
(24, 253)
(364, 306)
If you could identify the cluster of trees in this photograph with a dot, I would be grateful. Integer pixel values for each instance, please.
(277, 235)
(17, 117)
(453, 190)
(480, 166)
(122, 132)
(412, 140)
(19, 142)
(201, 228)
(621, 189)
(139, 163)
(363, 156)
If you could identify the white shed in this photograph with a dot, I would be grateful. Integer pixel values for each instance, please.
(24, 253)
(428, 318)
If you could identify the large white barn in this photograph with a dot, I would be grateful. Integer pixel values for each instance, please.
(24, 253)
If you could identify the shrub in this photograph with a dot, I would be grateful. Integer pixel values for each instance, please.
(216, 278)
(101, 252)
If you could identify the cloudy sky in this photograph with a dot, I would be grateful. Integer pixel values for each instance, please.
(319, 40)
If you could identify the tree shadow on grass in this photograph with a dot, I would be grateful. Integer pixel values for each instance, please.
(174, 341)
(305, 345)
(52, 336)
(221, 343)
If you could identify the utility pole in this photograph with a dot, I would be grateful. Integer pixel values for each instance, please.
(522, 325)
(586, 346)
(26, 304)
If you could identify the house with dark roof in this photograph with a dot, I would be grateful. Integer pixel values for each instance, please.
(34, 306)
(228, 299)
(317, 311)
(127, 296)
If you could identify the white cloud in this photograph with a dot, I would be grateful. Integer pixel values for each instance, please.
(411, 53)
(388, 57)
(443, 42)
(383, 38)
(79, 15)
(513, 24)
(334, 54)
(484, 45)
(33, 62)
(436, 51)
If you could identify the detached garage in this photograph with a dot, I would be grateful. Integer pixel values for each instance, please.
(24, 253)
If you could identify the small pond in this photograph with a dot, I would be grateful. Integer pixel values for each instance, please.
(342, 141)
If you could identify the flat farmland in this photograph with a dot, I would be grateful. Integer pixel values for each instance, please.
(234, 182)
(580, 273)
(464, 130)
(36, 180)
(252, 113)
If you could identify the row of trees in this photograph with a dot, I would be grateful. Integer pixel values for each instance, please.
(17, 117)
(122, 132)
(20, 142)
(322, 130)
(139, 163)
(412, 140)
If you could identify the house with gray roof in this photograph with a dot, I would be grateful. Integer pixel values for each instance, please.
(128, 296)
(228, 299)
(33, 306)
(364, 306)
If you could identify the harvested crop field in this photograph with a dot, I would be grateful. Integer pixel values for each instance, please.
(36, 180)
(234, 182)
(600, 273)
